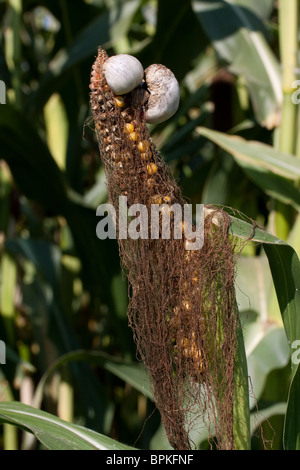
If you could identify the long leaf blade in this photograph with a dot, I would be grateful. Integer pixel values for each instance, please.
(272, 171)
(238, 36)
(53, 432)
(256, 154)
(285, 268)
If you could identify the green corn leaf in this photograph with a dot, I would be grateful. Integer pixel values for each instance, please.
(238, 37)
(291, 437)
(285, 268)
(273, 171)
(54, 433)
(254, 154)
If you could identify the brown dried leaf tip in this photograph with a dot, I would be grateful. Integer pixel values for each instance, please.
(182, 307)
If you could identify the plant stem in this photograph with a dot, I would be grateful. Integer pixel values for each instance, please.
(10, 432)
(13, 49)
(241, 407)
(288, 44)
(7, 307)
(66, 396)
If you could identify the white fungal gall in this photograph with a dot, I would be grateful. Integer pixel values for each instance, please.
(123, 73)
(164, 95)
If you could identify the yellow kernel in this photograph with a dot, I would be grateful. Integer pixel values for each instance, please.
(195, 352)
(167, 199)
(133, 136)
(150, 183)
(152, 168)
(120, 101)
(156, 199)
(143, 146)
(188, 256)
(187, 305)
(145, 156)
(128, 128)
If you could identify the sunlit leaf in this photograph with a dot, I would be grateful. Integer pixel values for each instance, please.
(258, 417)
(256, 155)
(262, 9)
(291, 437)
(285, 268)
(237, 35)
(273, 171)
(267, 349)
(54, 433)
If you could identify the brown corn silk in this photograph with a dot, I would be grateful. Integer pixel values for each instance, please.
(182, 307)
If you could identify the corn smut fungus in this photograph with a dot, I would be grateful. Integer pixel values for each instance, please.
(182, 305)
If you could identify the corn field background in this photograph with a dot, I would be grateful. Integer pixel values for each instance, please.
(71, 376)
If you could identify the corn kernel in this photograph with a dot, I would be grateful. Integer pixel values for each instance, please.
(150, 183)
(167, 199)
(133, 136)
(143, 146)
(145, 156)
(120, 101)
(152, 168)
(156, 199)
(187, 305)
(128, 128)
